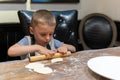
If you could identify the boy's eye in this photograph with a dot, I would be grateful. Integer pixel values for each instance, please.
(50, 34)
(46, 34)
(43, 34)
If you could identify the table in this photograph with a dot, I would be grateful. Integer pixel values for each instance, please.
(73, 67)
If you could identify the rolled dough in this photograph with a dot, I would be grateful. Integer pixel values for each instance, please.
(39, 67)
(43, 70)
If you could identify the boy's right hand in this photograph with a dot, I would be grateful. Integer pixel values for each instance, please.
(45, 51)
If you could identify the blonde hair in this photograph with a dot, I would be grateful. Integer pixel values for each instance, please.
(43, 17)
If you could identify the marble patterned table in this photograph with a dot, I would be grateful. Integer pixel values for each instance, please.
(73, 67)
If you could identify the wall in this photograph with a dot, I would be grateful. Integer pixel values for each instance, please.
(110, 8)
(8, 12)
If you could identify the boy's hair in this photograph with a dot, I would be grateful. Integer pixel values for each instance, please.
(43, 17)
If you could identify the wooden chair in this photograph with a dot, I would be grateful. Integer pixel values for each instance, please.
(97, 31)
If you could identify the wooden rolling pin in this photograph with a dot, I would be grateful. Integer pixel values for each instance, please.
(44, 57)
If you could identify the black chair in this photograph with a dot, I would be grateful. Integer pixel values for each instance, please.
(97, 31)
(66, 28)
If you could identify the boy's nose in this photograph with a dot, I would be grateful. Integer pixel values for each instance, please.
(48, 38)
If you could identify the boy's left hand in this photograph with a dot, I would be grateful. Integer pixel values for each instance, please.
(62, 49)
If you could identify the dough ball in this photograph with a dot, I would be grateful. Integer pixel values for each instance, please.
(56, 60)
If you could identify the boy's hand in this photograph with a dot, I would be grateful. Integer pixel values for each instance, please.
(46, 51)
(62, 49)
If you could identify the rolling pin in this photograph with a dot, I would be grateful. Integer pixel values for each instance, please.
(45, 57)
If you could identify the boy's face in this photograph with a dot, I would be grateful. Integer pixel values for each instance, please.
(42, 33)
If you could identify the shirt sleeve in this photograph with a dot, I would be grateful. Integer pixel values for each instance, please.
(57, 43)
(23, 41)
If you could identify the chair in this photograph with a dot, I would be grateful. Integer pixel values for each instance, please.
(97, 31)
(66, 28)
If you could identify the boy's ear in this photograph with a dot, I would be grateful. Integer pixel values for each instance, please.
(31, 30)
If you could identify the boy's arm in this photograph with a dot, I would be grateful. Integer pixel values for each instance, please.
(70, 48)
(66, 47)
(18, 50)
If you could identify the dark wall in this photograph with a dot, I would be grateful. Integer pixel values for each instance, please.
(10, 33)
(118, 30)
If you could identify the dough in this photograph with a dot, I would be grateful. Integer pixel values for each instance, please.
(39, 67)
(56, 60)
(34, 65)
(43, 70)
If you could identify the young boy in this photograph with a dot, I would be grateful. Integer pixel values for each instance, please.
(42, 27)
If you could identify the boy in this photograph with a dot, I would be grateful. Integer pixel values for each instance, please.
(42, 27)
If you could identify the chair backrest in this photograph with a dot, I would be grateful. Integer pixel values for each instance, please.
(97, 31)
(66, 28)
